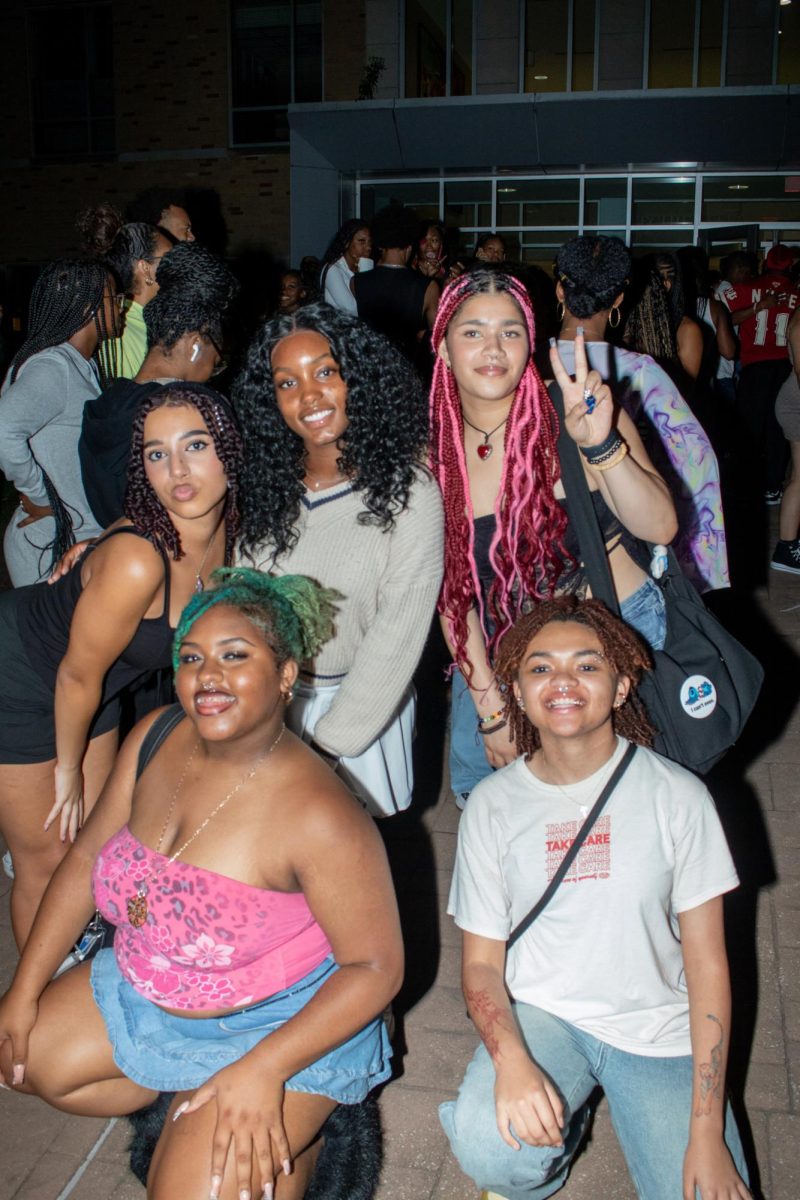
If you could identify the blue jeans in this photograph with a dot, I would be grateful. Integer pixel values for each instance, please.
(649, 1099)
(644, 610)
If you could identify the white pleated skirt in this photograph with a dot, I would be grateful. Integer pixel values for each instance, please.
(382, 777)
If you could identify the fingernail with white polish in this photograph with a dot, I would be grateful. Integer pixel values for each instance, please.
(216, 1184)
(267, 1192)
(5, 1087)
(180, 1110)
(19, 1073)
(579, 331)
(287, 1167)
(552, 342)
(244, 1194)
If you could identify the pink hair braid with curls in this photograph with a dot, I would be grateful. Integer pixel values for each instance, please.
(527, 552)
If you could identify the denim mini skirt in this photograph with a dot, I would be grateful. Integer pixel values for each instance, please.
(174, 1054)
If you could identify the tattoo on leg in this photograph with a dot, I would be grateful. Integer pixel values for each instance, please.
(487, 1016)
(710, 1075)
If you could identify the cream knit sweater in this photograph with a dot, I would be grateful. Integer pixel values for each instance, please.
(389, 581)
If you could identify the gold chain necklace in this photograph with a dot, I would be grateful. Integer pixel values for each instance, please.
(137, 904)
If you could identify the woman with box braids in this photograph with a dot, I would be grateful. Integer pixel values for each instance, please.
(508, 544)
(63, 363)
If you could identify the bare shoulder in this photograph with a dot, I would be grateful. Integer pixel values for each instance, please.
(324, 811)
(127, 558)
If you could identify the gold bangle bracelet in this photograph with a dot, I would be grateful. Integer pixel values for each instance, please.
(613, 461)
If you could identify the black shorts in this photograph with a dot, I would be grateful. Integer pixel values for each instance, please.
(27, 716)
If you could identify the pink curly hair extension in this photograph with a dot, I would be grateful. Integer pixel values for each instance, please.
(527, 552)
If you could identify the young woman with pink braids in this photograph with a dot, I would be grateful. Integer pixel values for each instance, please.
(493, 442)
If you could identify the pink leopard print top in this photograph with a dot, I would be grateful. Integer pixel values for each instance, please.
(209, 941)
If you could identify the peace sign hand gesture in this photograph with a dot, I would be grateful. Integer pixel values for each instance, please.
(588, 403)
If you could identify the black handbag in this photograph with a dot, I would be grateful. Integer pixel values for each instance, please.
(704, 683)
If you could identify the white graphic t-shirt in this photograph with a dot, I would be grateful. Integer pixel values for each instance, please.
(605, 954)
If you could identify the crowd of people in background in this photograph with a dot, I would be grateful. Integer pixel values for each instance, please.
(388, 443)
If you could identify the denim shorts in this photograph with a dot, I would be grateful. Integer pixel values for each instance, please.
(646, 611)
(174, 1054)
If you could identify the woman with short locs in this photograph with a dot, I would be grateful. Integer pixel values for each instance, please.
(69, 649)
(493, 447)
(336, 490)
(621, 980)
(257, 937)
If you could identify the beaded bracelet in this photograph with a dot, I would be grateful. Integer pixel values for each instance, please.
(492, 729)
(487, 720)
(613, 460)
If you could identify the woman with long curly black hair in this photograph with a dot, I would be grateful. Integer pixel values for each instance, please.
(73, 320)
(343, 259)
(70, 649)
(335, 432)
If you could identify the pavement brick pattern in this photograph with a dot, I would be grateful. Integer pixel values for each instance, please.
(49, 1156)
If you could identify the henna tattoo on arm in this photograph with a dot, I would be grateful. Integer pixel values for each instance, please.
(710, 1081)
(488, 1016)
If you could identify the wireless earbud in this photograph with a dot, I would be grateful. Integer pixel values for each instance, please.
(193, 357)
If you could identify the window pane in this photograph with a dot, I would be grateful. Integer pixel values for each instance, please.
(260, 128)
(605, 201)
(710, 61)
(422, 197)
(307, 52)
(663, 201)
(671, 43)
(461, 68)
(583, 23)
(546, 45)
(789, 44)
(261, 54)
(468, 204)
(616, 233)
(70, 53)
(539, 248)
(426, 41)
(746, 199)
(646, 241)
(538, 202)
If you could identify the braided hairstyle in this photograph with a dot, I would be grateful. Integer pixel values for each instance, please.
(292, 613)
(527, 552)
(592, 271)
(195, 290)
(67, 295)
(380, 449)
(650, 328)
(142, 507)
(623, 649)
(118, 244)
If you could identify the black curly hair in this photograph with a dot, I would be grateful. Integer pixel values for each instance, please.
(383, 442)
(142, 506)
(119, 245)
(592, 271)
(195, 292)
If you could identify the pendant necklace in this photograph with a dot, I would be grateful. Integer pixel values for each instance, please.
(137, 903)
(316, 484)
(485, 449)
(199, 586)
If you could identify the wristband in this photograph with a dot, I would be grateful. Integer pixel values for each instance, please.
(487, 720)
(612, 460)
(484, 732)
(603, 448)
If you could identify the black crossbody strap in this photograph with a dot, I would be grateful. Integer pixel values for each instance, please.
(572, 853)
(157, 734)
(580, 511)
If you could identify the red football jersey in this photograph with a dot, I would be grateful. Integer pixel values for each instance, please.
(762, 338)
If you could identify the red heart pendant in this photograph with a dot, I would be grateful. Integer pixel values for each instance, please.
(484, 450)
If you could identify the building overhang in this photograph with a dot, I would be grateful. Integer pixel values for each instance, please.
(756, 127)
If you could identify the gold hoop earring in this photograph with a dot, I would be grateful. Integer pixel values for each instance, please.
(611, 320)
(560, 310)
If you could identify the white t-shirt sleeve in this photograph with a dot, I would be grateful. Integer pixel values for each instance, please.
(479, 900)
(703, 864)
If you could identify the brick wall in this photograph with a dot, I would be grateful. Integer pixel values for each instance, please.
(171, 104)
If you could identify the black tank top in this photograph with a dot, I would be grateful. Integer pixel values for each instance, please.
(390, 299)
(44, 616)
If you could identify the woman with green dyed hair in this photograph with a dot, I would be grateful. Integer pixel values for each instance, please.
(257, 938)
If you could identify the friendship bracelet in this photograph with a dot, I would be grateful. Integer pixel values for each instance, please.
(493, 729)
(487, 720)
(613, 461)
(600, 458)
(608, 444)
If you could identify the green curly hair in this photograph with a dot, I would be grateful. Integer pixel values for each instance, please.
(293, 613)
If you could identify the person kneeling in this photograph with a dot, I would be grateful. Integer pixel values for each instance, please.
(257, 935)
(622, 980)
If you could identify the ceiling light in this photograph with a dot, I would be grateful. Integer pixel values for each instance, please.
(738, 187)
(506, 189)
(541, 77)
